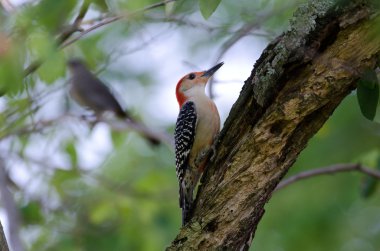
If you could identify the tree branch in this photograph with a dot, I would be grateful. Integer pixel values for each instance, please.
(11, 211)
(76, 25)
(7, 5)
(63, 42)
(66, 34)
(338, 168)
(242, 32)
(109, 20)
(143, 130)
(3, 240)
(295, 86)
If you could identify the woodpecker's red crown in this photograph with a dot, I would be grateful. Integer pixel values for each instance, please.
(192, 80)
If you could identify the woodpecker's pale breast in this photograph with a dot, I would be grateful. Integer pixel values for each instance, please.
(208, 126)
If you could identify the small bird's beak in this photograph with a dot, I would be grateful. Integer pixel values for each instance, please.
(212, 70)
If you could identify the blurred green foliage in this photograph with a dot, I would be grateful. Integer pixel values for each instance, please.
(128, 200)
(208, 7)
(369, 184)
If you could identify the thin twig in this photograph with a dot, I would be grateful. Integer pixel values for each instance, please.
(14, 117)
(182, 21)
(328, 170)
(244, 31)
(113, 19)
(139, 127)
(152, 136)
(124, 187)
(32, 67)
(11, 210)
(35, 127)
(66, 34)
(7, 5)
(63, 39)
(82, 12)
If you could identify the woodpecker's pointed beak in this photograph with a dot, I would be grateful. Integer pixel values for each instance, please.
(212, 70)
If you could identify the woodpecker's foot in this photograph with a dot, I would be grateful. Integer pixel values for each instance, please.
(213, 153)
(213, 148)
(202, 157)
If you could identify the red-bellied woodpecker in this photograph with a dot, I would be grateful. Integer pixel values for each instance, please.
(197, 125)
(90, 92)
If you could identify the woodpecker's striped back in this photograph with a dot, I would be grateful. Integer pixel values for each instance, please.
(184, 137)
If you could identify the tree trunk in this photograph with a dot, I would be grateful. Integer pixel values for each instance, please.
(3, 240)
(294, 87)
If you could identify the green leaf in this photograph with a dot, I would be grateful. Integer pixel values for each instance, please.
(208, 7)
(52, 15)
(368, 94)
(118, 138)
(31, 213)
(103, 212)
(136, 5)
(101, 4)
(72, 152)
(90, 49)
(53, 68)
(12, 56)
(41, 45)
(61, 177)
(11, 73)
(169, 8)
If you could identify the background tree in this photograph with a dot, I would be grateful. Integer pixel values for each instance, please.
(70, 184)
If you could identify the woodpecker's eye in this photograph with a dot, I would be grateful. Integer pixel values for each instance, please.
(191, 76)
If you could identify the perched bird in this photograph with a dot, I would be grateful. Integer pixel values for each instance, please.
(197, 126)
(90, 92)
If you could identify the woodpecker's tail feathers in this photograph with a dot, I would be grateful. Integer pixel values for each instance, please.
(186, 203)
(152, 141)
(122, 114)
(152, 137)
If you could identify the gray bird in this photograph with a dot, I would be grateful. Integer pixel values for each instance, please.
(90, 92)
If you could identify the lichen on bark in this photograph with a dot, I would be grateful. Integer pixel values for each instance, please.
(303, 23)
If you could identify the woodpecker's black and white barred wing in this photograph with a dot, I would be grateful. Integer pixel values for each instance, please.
(184, 137)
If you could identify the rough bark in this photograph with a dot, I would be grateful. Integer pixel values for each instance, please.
(3, 240)
(293, 89)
